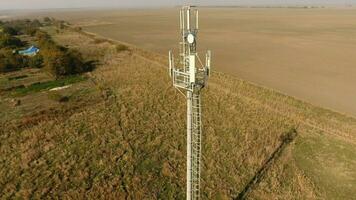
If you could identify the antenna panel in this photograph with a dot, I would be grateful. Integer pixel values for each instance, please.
(192, 68)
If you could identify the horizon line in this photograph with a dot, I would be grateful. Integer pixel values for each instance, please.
(169, 6)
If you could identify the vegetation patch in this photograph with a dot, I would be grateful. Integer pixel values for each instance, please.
(37, 87)
(17, 77)
(58, 97)
(335, 174)
(99, 40)
(56, 59)
(121, 47)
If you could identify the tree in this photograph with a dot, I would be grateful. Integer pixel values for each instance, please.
(7, 40)
(43, 37)
(10, 30)
(9, 61)
(36, 23)
(30, 31)
(47, 20)
(76, 63)
(55, 61)
(60, 61)
(35, 61)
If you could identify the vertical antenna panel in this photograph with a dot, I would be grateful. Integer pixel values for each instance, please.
(183, 21)
(192, 68)
(180, 21)
(171, 64)
(197, 19)
(188, 19)
(208, 62)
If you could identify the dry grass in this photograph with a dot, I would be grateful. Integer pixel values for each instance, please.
(131, 145)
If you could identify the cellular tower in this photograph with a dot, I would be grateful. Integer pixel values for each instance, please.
(189, 76)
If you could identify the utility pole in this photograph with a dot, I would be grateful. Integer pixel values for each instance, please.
(189, 77)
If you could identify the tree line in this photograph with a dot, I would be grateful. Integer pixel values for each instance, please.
(54, 58)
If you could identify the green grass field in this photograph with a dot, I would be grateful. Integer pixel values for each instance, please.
(37, 87)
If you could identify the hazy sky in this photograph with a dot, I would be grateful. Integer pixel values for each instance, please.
(35, 4)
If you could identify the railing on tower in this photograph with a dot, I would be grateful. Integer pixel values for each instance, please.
(190, 75)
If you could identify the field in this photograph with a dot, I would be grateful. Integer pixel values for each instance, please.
(125, 138)
(306, 53)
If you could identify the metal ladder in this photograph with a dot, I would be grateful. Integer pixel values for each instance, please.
(196, 145)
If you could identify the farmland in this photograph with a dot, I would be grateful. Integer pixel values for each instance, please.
(122, 135)
(306, 53)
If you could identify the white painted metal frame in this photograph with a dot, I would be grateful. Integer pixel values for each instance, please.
(190, 77)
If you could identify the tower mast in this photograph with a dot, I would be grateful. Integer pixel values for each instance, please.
(191, 78)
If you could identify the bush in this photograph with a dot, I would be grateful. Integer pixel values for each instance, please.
(35, 61)
(10, 30)
(36, 23)
(43, 37)
(78, 28)
(7, 40)
(9, 61)
(17, 77)
(60, 61)
(30, 31)
(63, 62)
(56, 62)
(58, 97)
(47, 20)
(18, 27)
(60, 24)
(99, 40)
(121, 47)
